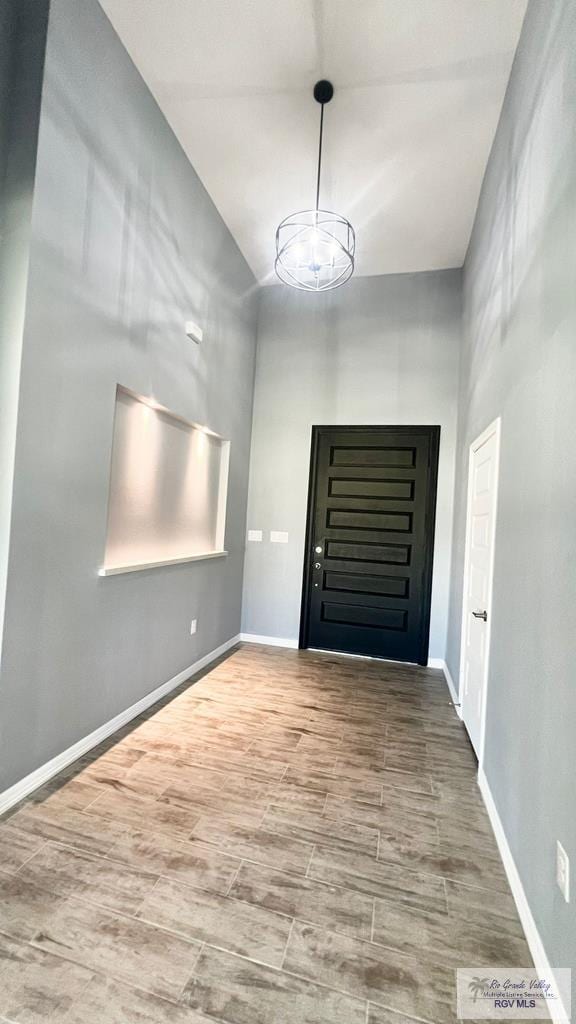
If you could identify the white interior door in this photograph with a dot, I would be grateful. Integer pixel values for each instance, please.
(479, 565)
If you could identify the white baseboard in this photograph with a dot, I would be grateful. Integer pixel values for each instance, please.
(531, 932)
(47, 771)
(269, 641)
(440, 663)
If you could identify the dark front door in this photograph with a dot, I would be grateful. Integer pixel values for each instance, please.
(370, 536)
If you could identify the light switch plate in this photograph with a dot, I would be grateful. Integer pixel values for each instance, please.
(278, 537)
(193, 626)
(255, 535)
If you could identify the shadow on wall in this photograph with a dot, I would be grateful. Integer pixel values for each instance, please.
(150, 253)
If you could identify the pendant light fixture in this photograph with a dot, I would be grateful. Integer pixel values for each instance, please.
(315, 248)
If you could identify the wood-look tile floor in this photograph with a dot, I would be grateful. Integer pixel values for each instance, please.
(295, 838)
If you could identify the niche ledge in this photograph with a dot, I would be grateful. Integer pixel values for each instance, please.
(116, 570)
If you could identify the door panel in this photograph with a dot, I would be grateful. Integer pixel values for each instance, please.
(349, 488)
(385, 554)
(341, 455)
(364, 615)
(478, 581)
(370, 532)
(386, 586)
(369, 520)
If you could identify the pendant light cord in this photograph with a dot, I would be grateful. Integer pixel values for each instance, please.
(319, 156)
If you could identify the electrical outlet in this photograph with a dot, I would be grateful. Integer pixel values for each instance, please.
(193, 626)
(563, 871)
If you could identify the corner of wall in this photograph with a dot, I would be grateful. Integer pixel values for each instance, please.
(23, 32)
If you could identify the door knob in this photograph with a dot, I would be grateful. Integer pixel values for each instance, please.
(481, 615)
(318, 549)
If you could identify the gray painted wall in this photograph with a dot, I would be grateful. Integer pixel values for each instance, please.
(126, 245)
(23, 26)
(381, 350)
(519, 362)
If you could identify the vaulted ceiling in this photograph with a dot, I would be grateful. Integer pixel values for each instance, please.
(419, 86)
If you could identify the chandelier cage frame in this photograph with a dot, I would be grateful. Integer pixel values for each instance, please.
(315, 249)
(323, 227)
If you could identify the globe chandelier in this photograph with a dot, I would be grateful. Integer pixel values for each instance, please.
(315, 248)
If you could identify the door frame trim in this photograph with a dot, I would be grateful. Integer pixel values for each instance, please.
(433, 433)
(493, 429)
